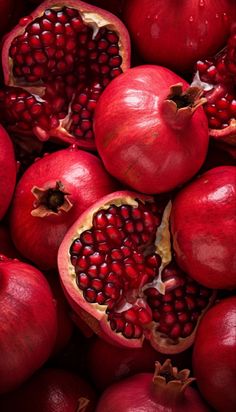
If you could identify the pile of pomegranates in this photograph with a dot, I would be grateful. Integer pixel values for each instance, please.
(118, 206)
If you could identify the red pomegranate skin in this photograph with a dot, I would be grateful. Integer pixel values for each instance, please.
(28, 322)
(51, 390)
(203, 225)
(176, 35)
(84, 179)
(139, 394)
(7, 171)
(214, 355)
(138, 144)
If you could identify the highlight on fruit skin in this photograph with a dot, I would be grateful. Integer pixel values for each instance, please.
(176, 35)
(119, 276)
(150, 129)
(56, 62)
(203, 227)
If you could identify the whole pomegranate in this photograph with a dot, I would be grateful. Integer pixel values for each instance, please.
(50, 196)
(7, 171)
(28, 322)
(119, 276)
(177, 34)
(150, 130)
(51, 390)
(56, 62)
(203, 226)
(216, 374)
(168, 390)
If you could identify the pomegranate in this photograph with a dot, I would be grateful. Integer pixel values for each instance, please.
(56, 62)
(7, 171)
(28, 322)
(117, 272)
(203, 225)
(216, 374)
(217, 76)
(51, 390)
(168, 390)
(176, 36)
(124, 362)
(150, 130)
(50, 196)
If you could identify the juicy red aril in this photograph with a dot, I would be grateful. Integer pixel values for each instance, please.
(73, 62)
(178, 311)
(219, 73)
(126, 264)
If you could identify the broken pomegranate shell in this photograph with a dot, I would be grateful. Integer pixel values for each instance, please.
(217, 76)
(119, 276)
(56, 63)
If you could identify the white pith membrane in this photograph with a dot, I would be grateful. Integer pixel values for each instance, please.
(128, 294)
(58, 69)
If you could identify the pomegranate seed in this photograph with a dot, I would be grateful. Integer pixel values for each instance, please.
(191, 304)
(90, 295)
(83, 281)
(97, 284)
(128, 330)
(187, 329)
(101, 298)
(114, 234)
(175, 332)
(96, 258)
(111, 291)
(131, 315)
(183, 317)
(144, 317)
(82, 263)
(87, 238)
(103, 270)
(92, 271)
(130, 271)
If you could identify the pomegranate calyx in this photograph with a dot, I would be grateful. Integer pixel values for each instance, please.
(82, 404)
(50, 200)
(179, 106)
(167, 378)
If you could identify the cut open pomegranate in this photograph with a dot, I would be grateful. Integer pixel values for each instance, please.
(56, 62)
(118, 274)
(217, 76)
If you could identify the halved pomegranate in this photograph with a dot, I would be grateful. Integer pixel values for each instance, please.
(118, 274)
(56, 62)
(217, 76)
